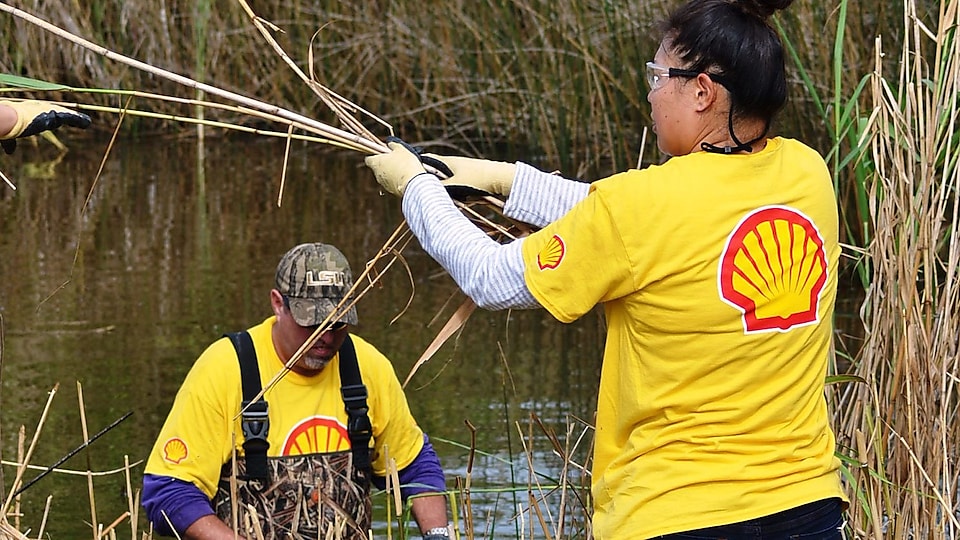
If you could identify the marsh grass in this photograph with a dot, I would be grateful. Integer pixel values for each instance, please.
(840, 109)
(903, 426)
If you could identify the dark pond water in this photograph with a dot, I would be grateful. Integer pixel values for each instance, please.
(115, 284)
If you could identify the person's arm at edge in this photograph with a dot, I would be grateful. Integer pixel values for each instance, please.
(489, 273)
(23, 118)
(170, 501)
(430, 512)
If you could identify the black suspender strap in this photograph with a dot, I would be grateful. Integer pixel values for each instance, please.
(255, 422)
(354, 395)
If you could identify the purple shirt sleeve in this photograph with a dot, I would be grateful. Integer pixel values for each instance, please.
(181, 502)
(424, 474)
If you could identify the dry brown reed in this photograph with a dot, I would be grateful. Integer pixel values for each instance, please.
(562, 509)
(557, 76)
(901, 427)
(11, 504)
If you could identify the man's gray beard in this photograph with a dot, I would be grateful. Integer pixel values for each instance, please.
(315, 363)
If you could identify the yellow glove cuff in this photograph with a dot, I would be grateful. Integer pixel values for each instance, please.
(19, 124)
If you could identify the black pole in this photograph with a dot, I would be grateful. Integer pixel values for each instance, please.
(73, 453)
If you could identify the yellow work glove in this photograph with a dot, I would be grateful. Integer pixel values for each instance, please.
(487, 177)
(36, 116)
(395, 168)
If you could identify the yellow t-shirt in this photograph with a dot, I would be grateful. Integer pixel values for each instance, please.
(718, 275)
(306, 413)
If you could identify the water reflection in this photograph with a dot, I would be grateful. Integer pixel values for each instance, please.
(170, 251)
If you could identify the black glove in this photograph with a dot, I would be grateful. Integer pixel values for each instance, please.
(34, 117)
(394, 169)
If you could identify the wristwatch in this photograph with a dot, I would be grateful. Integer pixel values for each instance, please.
(437, 533)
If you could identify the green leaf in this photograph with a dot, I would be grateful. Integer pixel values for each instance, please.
(836, 379)
(27, 83)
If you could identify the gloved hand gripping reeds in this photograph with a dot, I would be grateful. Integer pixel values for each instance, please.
(34, 117)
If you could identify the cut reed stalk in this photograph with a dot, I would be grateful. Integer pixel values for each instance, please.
(466, 502)
(95, 524)
(3, 494)
(46, 514)
(25, 458)
(133, 499)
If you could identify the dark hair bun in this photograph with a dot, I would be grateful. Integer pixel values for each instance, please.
(763, 8)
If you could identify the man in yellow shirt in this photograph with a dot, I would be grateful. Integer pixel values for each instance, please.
(317, 430)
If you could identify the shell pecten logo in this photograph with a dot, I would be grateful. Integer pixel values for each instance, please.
(551, 255)
(175, 450)
(316, 435)
(773, 269)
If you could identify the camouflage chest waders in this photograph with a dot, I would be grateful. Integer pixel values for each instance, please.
(307, 497)
(311, 496)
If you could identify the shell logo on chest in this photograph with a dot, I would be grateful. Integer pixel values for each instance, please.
(316, 435)
(773, 269)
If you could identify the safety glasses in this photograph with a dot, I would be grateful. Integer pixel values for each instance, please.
(658, 75)
(339, 325)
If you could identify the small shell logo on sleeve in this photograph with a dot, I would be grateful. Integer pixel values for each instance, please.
(175, 451)
(551, 255)
(773, 270)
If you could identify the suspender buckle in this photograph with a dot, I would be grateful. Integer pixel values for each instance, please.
(355, 403)
(360, 426)
(354, 396)
(255, 425)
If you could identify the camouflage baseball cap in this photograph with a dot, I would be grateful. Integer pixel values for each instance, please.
(314, 278)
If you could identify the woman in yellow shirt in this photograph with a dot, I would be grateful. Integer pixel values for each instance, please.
(717, 274)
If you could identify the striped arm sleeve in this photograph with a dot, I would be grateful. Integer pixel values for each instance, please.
(488, 272)
(540, 198)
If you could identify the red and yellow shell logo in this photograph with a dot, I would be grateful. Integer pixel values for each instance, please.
(551, 255)
(773, 269)
(316, 435)
(175, 450)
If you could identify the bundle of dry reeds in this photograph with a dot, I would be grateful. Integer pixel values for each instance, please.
(495, 71)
